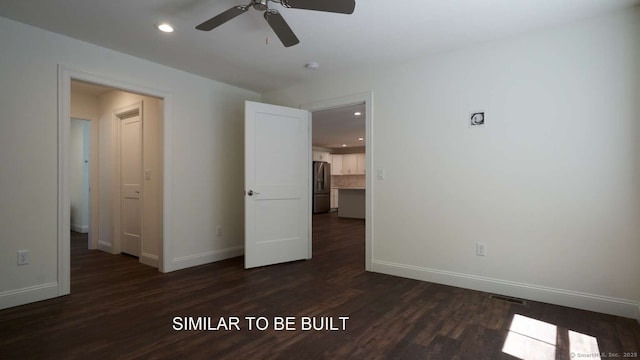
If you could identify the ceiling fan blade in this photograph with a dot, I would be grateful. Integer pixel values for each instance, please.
(222, 18)
(281, 28)
(336, 6)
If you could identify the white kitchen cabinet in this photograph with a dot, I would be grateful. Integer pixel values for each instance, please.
(349, 164)
(361, 164)
(336, 164)
(334, 198)
(321, 156)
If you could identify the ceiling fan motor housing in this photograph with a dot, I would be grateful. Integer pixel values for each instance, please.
(260, 5)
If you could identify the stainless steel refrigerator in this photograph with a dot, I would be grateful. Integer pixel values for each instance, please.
(321, 187)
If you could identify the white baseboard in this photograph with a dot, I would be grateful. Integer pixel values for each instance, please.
(574, 299)
(80, 228)
(150, 259)
(205, 258)
(27, 295)
(105, 246)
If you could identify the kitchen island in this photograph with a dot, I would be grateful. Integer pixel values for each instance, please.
(352, 202)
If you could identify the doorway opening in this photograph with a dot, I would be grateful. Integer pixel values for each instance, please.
(127, 207)
(94, 98)
(342, 146)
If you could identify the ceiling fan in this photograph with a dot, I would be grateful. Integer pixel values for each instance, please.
(273, 17)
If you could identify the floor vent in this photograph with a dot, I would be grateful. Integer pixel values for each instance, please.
(509, 299)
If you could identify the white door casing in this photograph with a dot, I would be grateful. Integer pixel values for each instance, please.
(277, 184)
(130, 181)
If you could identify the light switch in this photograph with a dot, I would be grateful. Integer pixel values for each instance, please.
(381, 174)
(147, 174)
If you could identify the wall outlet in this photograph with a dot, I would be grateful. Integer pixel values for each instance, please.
(481, 249)
(219, 231)
(23, 257)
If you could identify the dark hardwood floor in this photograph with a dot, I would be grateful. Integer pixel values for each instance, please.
(120, 309)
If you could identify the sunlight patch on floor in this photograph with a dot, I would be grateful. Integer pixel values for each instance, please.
(531, 339)
(583, 346)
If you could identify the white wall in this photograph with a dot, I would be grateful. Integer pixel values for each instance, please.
(206, 139)
(79, 174)
(551, 184)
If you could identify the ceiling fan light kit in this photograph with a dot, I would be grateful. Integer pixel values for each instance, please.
(275, 19)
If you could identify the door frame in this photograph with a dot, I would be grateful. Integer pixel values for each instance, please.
(117, 184)
(65, 75)
(367, 98)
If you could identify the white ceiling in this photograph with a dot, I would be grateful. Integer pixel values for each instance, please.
(378, 33)
(334, 127)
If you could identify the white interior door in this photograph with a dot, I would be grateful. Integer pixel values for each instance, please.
(277, 184)
(131, 176)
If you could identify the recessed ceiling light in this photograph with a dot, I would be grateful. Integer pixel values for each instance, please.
(344, 145)
(164, 27)
(361, 139)
(357, 113)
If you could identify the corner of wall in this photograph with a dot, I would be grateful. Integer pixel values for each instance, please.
(105, 246)
(150, 259)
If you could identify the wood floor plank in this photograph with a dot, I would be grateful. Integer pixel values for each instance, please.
(120, 309)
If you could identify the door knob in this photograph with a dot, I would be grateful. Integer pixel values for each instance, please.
(251, 192)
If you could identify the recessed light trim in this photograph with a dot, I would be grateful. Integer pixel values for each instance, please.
(357, 113)
(165, 27)
(344, 145)
(360, 139)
